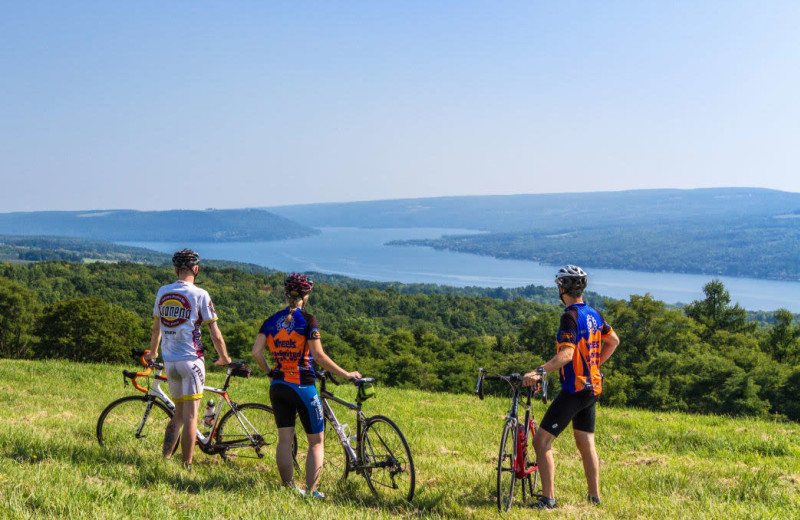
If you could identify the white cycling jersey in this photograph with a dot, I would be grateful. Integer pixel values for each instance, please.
(182, 307)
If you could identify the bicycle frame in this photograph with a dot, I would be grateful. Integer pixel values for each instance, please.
(521, 468)
(353, 462)
(522, 430)
(207, 445)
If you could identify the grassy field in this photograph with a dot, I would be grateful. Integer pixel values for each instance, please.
(653, 465)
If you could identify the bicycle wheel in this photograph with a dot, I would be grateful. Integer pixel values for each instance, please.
(258, 436)
(134, 424)
(386, 459)
(506, 476)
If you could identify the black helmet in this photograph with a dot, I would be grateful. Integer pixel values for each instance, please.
(185, 259)
(572, 279)
(297, 285)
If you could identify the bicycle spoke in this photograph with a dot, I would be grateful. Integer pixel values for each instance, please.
(133, 424)
(249, 434)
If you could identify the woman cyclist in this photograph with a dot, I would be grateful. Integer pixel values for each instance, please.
(293, 338)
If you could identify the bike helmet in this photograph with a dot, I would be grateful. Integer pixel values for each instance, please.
(185, 259)
(297, 285)
(572, 279)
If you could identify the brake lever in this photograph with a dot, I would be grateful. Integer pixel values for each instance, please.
(332, 379)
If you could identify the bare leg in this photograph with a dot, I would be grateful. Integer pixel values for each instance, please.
(189, 429)
(316, 452)
(173, 432)
(542, 444)
(591, 463)
(283, 454)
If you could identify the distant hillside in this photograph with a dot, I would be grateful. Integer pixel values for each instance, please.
(26, 249)
(545, 212)
(156, 226)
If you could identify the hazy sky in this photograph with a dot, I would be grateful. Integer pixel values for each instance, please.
(160, 105)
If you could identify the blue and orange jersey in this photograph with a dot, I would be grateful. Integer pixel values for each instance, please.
(288, 344)
(582, 328)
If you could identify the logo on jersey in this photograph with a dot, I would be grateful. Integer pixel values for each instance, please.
(315, 334)
(592, 324)
(175, 309)
(566, 336)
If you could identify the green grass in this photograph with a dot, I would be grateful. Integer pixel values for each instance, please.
(653, 465)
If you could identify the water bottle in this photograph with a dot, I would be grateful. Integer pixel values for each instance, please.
(208, 415)
(343, 431)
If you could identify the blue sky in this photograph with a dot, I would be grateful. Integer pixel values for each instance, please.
(153, 105)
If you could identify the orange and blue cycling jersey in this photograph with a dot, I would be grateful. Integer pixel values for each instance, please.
(288, 344)
(583, 329)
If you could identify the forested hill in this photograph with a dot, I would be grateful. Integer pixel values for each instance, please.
(742, 232)
(172, 225)
(707, 357)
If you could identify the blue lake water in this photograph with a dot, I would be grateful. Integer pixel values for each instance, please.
(361, 253)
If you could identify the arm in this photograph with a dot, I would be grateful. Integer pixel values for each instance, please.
(563, 357)
(155, 339)
(609, 345)
(327, 363)
(219, 344)
(258, 353)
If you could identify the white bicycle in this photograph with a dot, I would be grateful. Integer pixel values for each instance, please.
(136, 423)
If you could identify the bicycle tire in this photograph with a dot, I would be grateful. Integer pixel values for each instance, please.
(506, 476)
(232, 440)
(119, 422)
(385, 459)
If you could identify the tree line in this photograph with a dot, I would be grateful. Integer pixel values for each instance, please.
(708, 357)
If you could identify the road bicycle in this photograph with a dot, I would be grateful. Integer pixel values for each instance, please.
(512, 460)
(136, 423)
(378, 451)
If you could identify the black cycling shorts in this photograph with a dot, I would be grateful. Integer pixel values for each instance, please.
(289, 400)
(578, 408)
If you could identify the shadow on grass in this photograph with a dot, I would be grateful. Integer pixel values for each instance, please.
(210, 473)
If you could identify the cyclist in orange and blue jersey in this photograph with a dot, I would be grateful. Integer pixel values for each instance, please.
(583, 343)
(293, 339)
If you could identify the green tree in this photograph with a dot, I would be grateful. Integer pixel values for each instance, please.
(539, 333)
(783, 339)
(18, 309)
(89, 329)
(716, 313)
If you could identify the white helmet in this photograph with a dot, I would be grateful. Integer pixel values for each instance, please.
(572, 279)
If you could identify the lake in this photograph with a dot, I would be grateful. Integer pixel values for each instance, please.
(361, 253)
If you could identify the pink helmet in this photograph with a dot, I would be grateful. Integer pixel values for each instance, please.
(297, 285)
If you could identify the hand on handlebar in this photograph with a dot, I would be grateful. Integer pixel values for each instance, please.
(532, 378)
(223, 361)
(354, 375)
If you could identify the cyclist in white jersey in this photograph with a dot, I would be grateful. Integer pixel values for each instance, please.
(179, 311)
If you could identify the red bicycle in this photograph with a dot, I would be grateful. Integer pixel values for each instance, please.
(512, 461)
